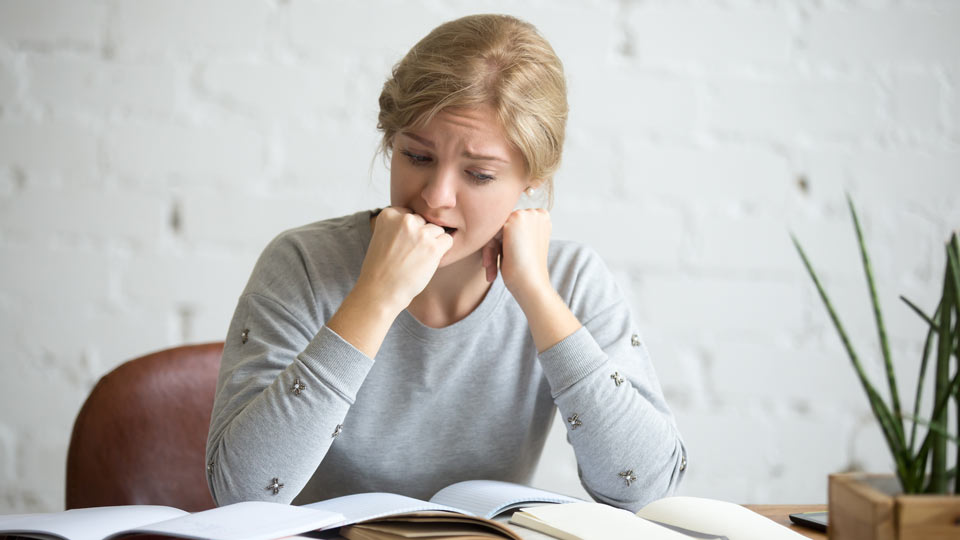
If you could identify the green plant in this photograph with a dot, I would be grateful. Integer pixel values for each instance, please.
(912, 461)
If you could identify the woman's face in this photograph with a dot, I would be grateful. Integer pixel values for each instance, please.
(459, 172)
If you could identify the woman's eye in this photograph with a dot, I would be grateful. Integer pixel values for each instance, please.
(480, 178)
(415, 159)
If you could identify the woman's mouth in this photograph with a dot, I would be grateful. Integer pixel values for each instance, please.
(450, 230)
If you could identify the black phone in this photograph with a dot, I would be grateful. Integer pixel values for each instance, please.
(814, 520)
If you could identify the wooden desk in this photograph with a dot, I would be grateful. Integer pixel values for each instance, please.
(781, 514)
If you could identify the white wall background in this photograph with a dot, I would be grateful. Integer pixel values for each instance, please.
(150, 149)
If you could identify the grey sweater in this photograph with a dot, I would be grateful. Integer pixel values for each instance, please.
(300, 415)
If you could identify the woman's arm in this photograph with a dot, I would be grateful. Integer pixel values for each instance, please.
(285, 385)
(628, 448)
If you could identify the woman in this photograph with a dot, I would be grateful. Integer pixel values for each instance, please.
(427, 343)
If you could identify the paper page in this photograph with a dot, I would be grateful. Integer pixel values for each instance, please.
(715, 517)
(251, 520)
(487, 498)
(523, 532)
(591, 521)
(364, 506)
(87, 523)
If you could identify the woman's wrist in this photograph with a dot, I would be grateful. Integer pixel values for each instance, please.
(548, 316)
(363, 320)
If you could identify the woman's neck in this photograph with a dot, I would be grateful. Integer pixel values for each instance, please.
(453, 293)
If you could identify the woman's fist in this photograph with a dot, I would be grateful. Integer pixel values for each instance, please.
(403, 255)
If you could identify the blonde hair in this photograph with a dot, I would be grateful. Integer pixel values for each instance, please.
(495, 60)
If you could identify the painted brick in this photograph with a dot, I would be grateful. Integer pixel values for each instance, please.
(809, 449)
(732, 306)
(28, 146)
(711, 35)
(591, 168)
(248, 221)
(745, 244)
(71, 83)
(917, 101)
(152, 150)
(202, 280)
(350, 30)
(9, 80)
(42, 484)
(155, 28)
(115, 214)
(716, 174)
(337, 162)
(51, 21)
(645, 100)
(624, 233)
(820, 377)
(8, 456)
(272, 90)
(29, 271)
(722, 443)
(54, 408)
(918, 179)
(903, 34)
(790, 106)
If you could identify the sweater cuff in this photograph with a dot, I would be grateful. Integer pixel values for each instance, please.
(575, 357)
(336, 362)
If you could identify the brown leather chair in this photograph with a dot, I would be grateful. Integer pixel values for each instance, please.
(140, 436)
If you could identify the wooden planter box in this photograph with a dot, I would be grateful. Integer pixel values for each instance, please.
(871, 507)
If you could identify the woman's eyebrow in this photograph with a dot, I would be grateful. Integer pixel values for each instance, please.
(466, 153)
(483, 158)
(419, 139)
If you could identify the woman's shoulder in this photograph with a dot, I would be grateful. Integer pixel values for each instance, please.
(573, 256)
(322, 250)
(581, 277)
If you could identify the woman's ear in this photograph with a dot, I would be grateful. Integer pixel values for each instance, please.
(532, 187)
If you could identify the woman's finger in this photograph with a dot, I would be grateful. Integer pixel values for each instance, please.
(489, 256)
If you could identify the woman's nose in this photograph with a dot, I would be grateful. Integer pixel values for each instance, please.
(441, 189)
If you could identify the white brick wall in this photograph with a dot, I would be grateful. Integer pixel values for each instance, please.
(149, 150)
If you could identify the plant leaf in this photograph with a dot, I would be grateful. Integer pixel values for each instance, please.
(920, 312)
(939, 428)
(923, 373)
(895, 439)
(878, 317)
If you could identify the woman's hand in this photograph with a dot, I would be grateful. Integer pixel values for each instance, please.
(401, 259)
(403, 255)
(522, 247)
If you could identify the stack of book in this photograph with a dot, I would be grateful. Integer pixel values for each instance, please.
(475, 509)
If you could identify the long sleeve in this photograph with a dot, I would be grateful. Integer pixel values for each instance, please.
(281, 396)
(628, 448)
(286, 381)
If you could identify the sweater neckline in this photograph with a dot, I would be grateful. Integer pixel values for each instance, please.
(467, 325)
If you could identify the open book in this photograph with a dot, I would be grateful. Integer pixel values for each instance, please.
(240, 521)
(670, 518)
(462, 510)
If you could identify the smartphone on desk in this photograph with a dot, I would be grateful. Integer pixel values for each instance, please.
(814, 520)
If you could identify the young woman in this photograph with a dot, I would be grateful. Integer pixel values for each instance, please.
(430, 342)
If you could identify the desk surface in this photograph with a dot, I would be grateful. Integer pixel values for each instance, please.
(781, 514)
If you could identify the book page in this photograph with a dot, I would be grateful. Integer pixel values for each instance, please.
(720, 518)
(591, 521)
(487, 498)
(251, 520)
(364, 506)
(86, 523)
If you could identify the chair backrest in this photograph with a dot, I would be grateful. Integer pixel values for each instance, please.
(140, 437)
